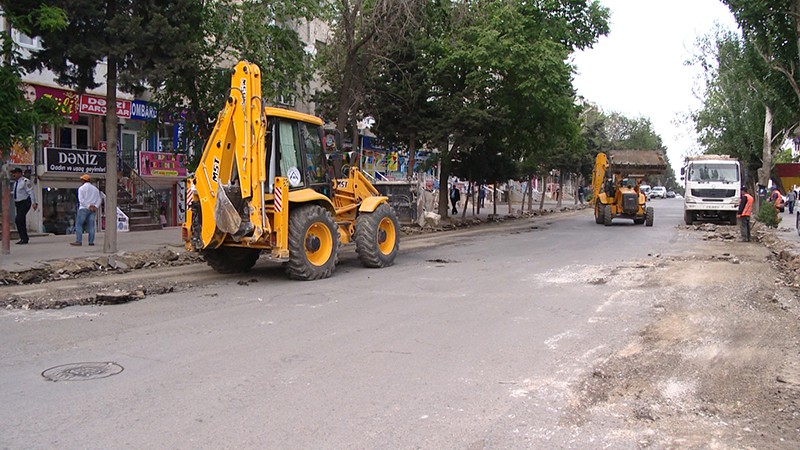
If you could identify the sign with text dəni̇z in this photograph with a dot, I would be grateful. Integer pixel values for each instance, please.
(69, 160)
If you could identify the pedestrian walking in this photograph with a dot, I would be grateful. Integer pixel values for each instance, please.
(482, 194)
(455, 197)
(791, 197)
(745, 211)
(89, 200)
(24, 199)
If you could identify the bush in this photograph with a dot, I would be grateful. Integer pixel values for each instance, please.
(768, 214)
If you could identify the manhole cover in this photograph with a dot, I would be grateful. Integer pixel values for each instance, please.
(82, 371)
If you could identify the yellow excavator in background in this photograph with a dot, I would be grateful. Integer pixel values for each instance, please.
(615, 185)
(264, 184)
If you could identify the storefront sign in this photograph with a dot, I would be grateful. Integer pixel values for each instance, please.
(21, 154)
(91, 104)
(69, 160)
(142, 110)
(162, 164)
(67, 101)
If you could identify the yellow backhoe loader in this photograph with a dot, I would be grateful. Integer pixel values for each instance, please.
(264, 184)
(615, 185)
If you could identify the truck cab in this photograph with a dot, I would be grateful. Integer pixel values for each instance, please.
(713, 188)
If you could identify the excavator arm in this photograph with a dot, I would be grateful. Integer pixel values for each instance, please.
(599, 175)
(231, 158)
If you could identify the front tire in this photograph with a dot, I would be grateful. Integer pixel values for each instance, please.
(598, 212)
(649, 216)
(313, 243)
(797, 222)
(231, 259)
(607, 215)
(688, 217)
(377, 238)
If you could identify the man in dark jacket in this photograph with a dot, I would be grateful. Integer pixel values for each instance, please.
(455, 197)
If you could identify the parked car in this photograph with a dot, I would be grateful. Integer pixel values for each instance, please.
(645, 189)
(670, 194)
(658, 192)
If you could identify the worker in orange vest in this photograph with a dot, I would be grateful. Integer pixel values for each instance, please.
(776, 198)
(745, 211)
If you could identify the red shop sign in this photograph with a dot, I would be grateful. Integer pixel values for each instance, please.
(91, 104)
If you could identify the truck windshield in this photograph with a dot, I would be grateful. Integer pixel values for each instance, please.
(728, 173)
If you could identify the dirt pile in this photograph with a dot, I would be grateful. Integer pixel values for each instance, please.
(716, 368)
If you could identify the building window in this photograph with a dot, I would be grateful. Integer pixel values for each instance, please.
(26, 41)
(286, 100)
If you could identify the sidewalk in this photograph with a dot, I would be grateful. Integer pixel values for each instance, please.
(56, 247)
(50, 248)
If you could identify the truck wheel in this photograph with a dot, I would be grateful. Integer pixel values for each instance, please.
(231, 259)
(648, 216)
(376, 237)
(732, 219)
(313, 243)
(607, 215)
(688, 217)
(797, 222)
(598, 212)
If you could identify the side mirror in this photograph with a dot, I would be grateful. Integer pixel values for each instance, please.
(683, 172)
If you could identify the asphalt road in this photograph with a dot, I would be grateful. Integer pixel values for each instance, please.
(471, 340)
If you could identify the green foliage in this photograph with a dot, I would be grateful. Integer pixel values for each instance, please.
(784, 156)
(494, 76)
(768, 214)
(739, 85)
(146, 40)
(18, 117)
(229, 31)
(771, 28)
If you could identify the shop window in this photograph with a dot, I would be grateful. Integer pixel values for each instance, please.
(165, 137)
(58, 210)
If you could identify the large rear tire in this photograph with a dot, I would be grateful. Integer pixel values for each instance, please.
(377, 238)
(313, 243)
(231, 259)
(649, 215)
(607, 215)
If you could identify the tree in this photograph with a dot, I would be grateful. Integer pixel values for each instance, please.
(503, 79)
(744, 103)
(137, 40)
(773, 30)
(362, 32)
(234, 30)
(19, 118)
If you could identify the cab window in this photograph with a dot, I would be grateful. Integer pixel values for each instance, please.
(316, 167)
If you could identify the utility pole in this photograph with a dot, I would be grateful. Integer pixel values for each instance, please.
(5, 181)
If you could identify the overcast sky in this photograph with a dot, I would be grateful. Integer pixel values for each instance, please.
(639, 68)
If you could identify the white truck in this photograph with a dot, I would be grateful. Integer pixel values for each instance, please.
(713, 188)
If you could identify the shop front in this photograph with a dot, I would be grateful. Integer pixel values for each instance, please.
(165, 174)
(59, 182)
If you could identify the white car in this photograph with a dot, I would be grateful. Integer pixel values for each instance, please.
(658, 192)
